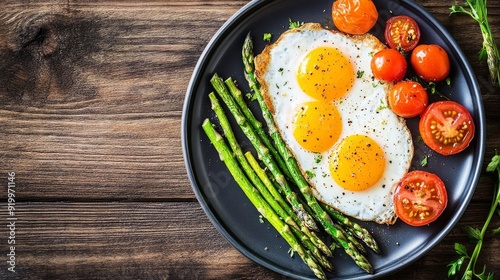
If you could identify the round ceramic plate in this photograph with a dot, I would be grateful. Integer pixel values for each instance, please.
(229, 209)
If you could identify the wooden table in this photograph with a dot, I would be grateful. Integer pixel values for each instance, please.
(91, 98)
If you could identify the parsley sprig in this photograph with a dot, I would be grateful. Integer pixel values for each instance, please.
(294, 24)
(477, 236)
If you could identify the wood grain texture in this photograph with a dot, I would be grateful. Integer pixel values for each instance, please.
(91, 97)
(168, 240)
(93, 93)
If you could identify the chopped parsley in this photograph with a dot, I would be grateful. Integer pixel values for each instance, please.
(359, 74)
(267, 37)
(294, 24)
(318, 158)
(430, 87)
(382, 106)
(423, 163)
(310, 174)
(251, 96)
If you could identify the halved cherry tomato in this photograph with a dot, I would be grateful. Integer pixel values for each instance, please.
(354, 16)
(430, 62)
(388, 65)
(446, 127)
(408, 99)
(420, 198)
(402, 33)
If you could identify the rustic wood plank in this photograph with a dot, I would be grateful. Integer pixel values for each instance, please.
(90, 104)
(92, 96)
(77, 111)
(80, 122)
(121, 241)
(163, 241)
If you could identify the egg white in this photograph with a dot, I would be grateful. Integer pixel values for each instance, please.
(363, 110)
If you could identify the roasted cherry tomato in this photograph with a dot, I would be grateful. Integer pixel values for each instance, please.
(388, 65)
(420, 198)
(354, 16)
(446, 127)
(430, 62)
(402, 33)
(408, 99)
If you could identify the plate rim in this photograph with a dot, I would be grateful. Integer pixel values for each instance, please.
(479, 152)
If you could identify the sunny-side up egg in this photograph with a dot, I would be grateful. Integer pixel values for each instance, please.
(333, 115)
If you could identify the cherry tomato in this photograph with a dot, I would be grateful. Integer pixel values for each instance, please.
(388, 65)
(446, 127)
(354, 16)
(402, 33)
(420, 198)
(408, 99)
(430, 62)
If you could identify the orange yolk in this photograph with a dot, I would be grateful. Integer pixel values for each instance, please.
(325, 74)
(317, 125)
(358, 163)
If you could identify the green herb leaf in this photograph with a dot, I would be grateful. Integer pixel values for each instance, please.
(455, 266)
(494, 164)
(423, 163)
(318, 158)
(267, 37)
(452, 271)
(251, 96)
(294, 24)
(461, 250)
(473, 233)
(431, 86)
(467, 275)
(382, 106)
(483, 275)
(496, 231)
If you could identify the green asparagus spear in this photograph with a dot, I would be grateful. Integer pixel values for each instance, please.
(263, 190)
(300, 181)
(257, 125)
(262, 151)
(260, 204)
(236, 148)
(314, 251)
(269, 185)
(354, 228)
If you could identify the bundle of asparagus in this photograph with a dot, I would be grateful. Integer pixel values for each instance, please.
(296, 215)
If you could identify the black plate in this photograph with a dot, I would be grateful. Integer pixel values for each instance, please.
(226, 205)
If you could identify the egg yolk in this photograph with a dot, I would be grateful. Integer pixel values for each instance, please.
(358, 163)
(317, 125)
(325, 74)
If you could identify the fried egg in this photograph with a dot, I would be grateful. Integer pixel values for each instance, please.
(333, 115)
